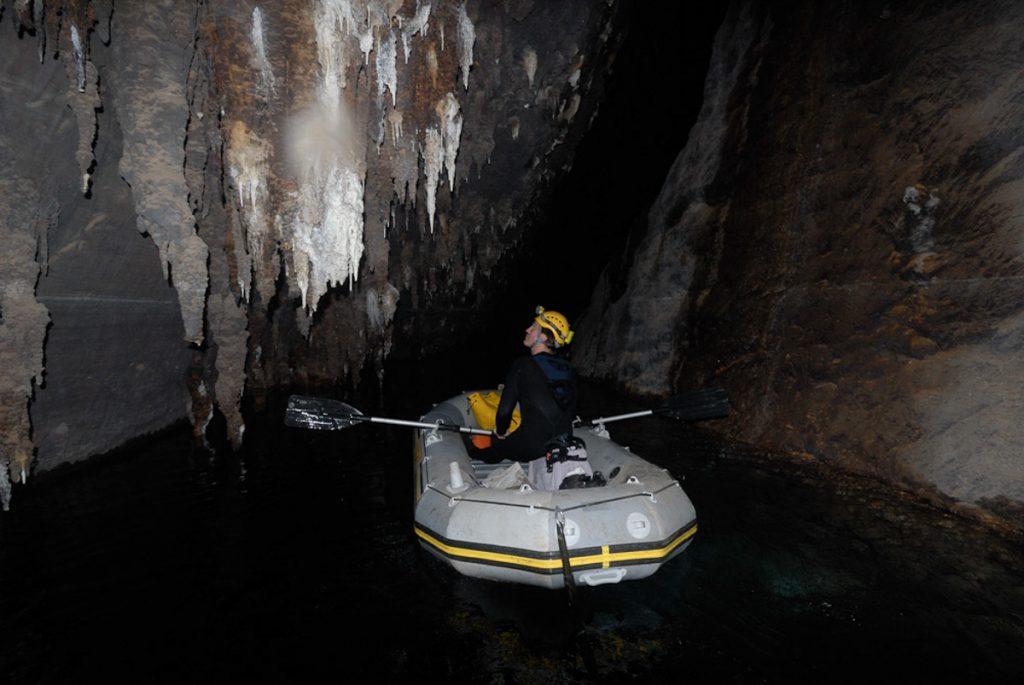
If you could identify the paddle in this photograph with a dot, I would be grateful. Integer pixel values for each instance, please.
(323, 414)
(697, 405)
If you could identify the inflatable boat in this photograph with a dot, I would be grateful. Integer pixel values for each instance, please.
(506, 529)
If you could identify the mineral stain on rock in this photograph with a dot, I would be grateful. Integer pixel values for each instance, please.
(251, 139)
(837, 245)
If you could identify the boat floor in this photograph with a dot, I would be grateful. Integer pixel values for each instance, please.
(481, 469)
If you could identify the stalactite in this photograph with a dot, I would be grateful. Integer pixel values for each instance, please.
(23, 14)
(149, 72)
(432, 66)
(467, 36)
(103, 10)
(405, 170)
(335, 246)
(366, 44)
(198, 404)
(247, 161)
(228, 329)
(433, 158)
(236, 231)
(39, 22)
(569, 108)
(451, 125)
(418, 24)
(261, 64)
(53, 16)
(79, 56)
(395, 121)
(381, 129)
(241, 260)
(24, 322)
(440, 148)
(387, 74)
(84, 99)
(5, 485)
(381, 306)
(530, 64)
(327, 231)
(334, 21)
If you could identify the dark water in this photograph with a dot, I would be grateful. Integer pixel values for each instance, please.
(295, 561)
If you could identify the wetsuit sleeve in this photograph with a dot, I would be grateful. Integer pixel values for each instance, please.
(509, 399)
(575, 402)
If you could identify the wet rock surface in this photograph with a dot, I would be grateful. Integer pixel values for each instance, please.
(307, 180)
(838, 246)
(114, 360)
(296, 559)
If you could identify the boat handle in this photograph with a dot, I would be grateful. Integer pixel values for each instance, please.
(603, 577)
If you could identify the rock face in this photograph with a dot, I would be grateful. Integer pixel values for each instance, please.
(205, 197)
(840, 245)
(114, 355)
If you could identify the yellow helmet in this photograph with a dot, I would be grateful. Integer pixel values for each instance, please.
(556, 324)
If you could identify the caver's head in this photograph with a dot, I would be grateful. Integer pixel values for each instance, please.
(550, 329)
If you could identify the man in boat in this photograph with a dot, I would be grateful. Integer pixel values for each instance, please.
(544, 386)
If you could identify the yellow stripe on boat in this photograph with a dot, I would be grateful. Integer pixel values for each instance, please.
(604, 559)
(483, 555)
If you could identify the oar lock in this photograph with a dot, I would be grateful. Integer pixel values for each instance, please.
(433, 435)
(455, 481)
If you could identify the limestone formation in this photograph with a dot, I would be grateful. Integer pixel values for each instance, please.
(839, 245)
(150, 67)
(281, 165)
(23, 224)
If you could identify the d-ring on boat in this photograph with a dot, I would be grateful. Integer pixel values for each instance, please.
(624, 530)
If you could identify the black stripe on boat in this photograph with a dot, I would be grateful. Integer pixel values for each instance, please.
(549, 563)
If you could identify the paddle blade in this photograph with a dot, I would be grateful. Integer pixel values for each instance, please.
(698, 405)
(319, 414)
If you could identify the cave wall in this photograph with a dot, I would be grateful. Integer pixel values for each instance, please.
(208, 198)
(114, 357)
(839, 244)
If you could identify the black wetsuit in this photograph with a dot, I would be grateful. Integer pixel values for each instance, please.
(544, 386)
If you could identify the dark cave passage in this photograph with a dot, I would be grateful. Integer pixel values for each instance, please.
(589, 215)
(595, 211)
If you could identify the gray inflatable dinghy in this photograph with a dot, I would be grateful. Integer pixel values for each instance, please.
(624, 530)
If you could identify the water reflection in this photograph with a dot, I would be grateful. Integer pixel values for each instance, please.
(297, 560)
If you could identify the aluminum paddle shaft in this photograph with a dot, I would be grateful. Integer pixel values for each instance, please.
(424, 424)
(698, 405)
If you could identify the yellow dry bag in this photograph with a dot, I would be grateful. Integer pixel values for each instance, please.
(485, 409)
